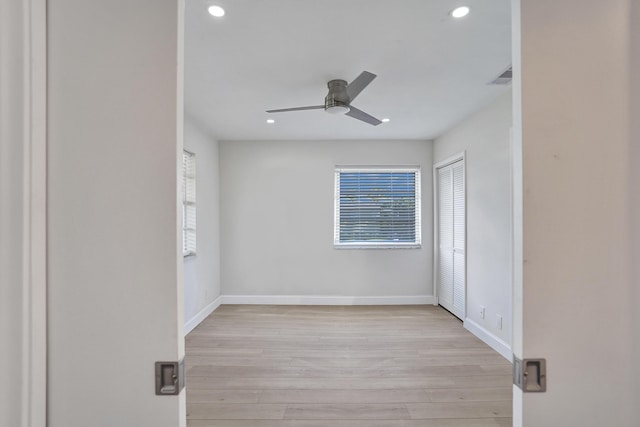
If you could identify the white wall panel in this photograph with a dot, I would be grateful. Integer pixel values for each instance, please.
(576, 150)
(114, 241)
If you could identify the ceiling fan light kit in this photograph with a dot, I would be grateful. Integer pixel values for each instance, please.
(339, 98)
(337, 109)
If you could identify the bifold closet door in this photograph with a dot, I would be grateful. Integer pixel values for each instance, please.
(451, 274)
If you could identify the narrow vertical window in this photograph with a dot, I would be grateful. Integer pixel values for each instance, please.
(188, 203)
(377, 207)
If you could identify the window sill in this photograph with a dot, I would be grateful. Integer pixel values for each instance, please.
(377, 246)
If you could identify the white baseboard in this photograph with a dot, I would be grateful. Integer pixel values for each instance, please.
(326, 300)
(201, 315)
(491, 340)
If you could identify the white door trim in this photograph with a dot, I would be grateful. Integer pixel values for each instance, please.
(36, 199)
(450, 160)
(24, 29)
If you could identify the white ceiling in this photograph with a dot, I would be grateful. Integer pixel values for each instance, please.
(433, 70)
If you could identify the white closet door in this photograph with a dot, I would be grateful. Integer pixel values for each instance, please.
(451, 238)
(459, 232)
(445, 238)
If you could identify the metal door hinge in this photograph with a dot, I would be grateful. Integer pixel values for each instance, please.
(530, 375)
(169, 378)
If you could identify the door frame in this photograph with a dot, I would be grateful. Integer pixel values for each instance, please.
(436, 237)
(33, 323)
(37, 399)
(28, 40)
(35, 199)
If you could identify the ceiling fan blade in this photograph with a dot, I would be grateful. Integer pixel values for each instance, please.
(312, 107)
(361, 115)
(355, 87)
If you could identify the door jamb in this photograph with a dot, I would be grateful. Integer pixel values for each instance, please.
(34, 321)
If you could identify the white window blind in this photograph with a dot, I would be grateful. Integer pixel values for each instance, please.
(377, 207)
(188, 203)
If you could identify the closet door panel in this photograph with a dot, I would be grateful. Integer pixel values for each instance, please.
(446, 237)
(459, 238)
(451, 219)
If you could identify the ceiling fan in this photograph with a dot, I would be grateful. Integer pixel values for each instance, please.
(339, 98)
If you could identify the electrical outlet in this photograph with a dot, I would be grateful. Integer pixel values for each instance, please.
(482, 312)
(499, 322)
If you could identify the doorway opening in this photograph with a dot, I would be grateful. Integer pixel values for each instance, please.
(300, 124)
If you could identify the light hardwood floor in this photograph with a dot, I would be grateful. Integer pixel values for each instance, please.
(336, 366)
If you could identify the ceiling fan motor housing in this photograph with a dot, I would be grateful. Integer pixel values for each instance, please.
(337, 100)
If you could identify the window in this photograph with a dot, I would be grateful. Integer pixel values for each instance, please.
(377, 207)
(188, 203)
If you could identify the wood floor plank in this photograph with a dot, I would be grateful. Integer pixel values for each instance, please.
(313, 366)
(489, 409)
(342, 362)
(384, 396)
(341, 352)
(203, 361)
(482, 381)
(234, 411)
(227, 396)
(346, 411)
(339, 382)
(195, 350)
(451, 422)
(471, 394)
(451, 360)
(253, 371)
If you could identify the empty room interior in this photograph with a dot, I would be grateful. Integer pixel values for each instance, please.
(352, 266)
(374, 267)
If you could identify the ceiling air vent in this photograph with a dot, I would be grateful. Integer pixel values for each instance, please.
(504, 78)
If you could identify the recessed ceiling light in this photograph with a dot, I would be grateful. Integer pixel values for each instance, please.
(271, 121)
(216, 11)
(385, 120)
(460, 12)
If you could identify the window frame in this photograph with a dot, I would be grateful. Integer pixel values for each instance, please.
(188, 251)
(416, 244)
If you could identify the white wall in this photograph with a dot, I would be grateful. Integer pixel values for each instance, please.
(202, 271)
(485, 137)
(576, 149)
(114, 240)
(277, 214)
